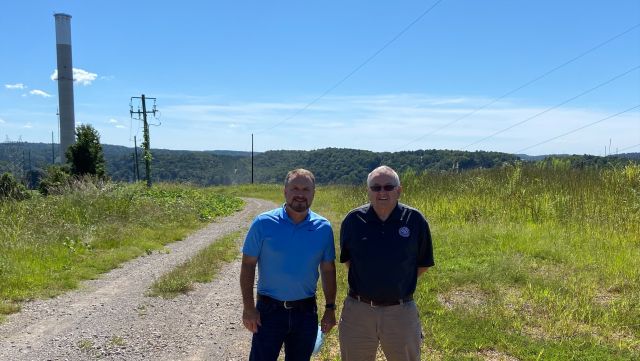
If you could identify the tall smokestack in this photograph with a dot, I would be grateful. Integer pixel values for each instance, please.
(65, 83)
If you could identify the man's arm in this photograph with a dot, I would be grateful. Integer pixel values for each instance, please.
(250, 315)
(328, 274)
(422, 270)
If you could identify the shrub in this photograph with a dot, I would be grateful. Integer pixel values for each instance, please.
(11, 189)
(55, 180)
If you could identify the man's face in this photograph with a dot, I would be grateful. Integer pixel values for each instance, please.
(298, 193)
(380, 198)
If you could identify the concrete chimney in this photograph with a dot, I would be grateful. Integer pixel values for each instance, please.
(65, 83)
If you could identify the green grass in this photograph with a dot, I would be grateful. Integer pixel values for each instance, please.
(201, 268)
(532, 263)
(49, 244)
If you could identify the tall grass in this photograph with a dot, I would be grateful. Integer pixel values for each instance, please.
(48, 244)
(532, 263)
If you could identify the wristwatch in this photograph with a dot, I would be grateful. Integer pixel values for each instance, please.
(330, 306)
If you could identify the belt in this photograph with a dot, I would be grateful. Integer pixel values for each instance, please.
(375, 303)
(303, 303)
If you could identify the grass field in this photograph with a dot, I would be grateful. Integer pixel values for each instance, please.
(532, 263)
(49, 244)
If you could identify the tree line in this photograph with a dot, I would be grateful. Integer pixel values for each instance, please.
(29, 161)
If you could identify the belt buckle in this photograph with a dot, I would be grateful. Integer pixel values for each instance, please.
(286, 307)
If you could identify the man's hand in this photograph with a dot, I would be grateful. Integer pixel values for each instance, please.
(251, 319)
(328, 321)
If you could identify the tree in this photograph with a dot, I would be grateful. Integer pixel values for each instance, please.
(86, 155)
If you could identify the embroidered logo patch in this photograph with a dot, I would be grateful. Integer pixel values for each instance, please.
(404, 232)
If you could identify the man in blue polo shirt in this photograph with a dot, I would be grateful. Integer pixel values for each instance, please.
(386, 246)
(288, 244)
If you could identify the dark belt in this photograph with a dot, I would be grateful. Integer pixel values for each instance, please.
(304, 303)
(375, 303)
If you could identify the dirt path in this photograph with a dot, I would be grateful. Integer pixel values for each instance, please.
(112, 319)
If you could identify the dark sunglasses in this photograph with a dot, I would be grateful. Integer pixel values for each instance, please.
(386, 187)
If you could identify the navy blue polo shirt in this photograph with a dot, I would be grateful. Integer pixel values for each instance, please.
(384, 256)
(289, 254)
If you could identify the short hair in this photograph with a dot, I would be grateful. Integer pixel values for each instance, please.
(386, 170)
(300, 171)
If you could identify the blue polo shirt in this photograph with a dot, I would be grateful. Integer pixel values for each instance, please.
(289, 254)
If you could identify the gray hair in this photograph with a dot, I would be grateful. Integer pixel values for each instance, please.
(301, 172)
(384, 169)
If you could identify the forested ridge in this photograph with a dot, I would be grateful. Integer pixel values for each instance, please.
(331, 165)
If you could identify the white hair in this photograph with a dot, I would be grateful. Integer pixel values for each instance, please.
(383, 169)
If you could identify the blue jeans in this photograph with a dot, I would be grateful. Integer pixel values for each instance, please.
(296, 328)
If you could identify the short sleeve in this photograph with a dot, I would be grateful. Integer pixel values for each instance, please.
(330, 249)
(253, 240)
(425, 250)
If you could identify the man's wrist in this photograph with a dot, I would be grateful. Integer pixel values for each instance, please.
(330, 306)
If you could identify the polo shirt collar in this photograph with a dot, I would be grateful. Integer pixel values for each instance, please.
(285, 216)
(396, 214)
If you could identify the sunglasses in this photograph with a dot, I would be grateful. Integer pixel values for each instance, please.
(386, 187)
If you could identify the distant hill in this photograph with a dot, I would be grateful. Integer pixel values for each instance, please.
(330, 165)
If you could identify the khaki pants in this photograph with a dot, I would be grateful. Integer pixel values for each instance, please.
(396, 328)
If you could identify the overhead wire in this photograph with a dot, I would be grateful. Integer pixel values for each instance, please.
(580, 128)
(629, 147)
(355, 70)
(518, 88)
(554, 107)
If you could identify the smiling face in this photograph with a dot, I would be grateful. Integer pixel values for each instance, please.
(383, 200)
(298, 193)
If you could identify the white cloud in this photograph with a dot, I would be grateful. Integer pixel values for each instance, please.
(113, 121)
(28, 126)
(80, 76)
(396, 122)
(120, 126)
(40, 93)
(2, 121)
(15, 86)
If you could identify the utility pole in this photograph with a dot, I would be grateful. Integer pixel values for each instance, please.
(146, 153)
(53, 151)
(251, 158)
(136, 169)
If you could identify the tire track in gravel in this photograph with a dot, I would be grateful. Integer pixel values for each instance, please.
(111, 318)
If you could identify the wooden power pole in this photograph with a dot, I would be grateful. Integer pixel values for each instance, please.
(146, 152)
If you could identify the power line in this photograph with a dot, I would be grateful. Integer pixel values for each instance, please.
(554, 107)
(539, 77)
(629, 147)
(580, 128)
(369, 59)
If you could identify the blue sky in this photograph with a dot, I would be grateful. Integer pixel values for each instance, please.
(348, 74)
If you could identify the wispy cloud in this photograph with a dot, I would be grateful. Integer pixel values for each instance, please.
(28, 125)
(116, 123)
(80, 76)
(15, 86)
(40, 93)
(2, 121)
(393, 122)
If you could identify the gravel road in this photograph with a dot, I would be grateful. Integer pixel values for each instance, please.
(111, 318)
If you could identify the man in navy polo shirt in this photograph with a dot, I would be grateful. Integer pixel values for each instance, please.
(386, 246)
(288, 244)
